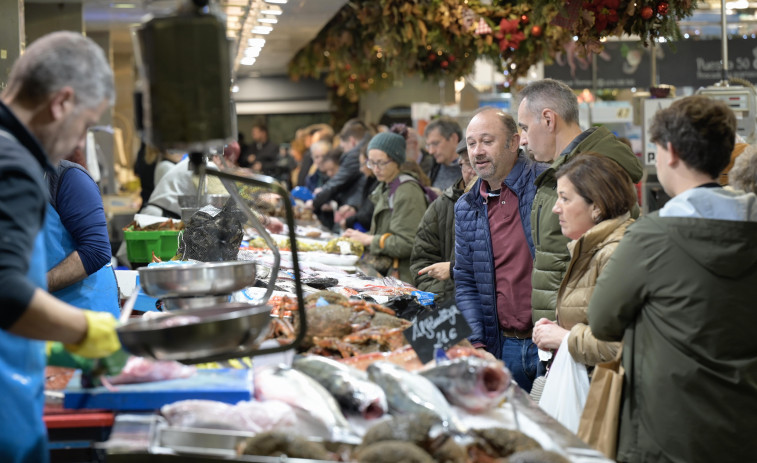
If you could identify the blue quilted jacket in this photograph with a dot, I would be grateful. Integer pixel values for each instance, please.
(474, 262)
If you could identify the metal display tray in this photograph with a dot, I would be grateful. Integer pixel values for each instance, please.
(148, 438)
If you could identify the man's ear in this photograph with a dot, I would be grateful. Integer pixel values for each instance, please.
(674, 157)
(61, 103)
(550, 117)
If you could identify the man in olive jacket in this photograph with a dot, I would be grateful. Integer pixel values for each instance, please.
(680, 292)
(548, 118)
(433, 256)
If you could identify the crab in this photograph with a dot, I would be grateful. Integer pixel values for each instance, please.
(340, 327)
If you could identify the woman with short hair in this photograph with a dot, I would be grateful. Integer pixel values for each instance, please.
(595, 197)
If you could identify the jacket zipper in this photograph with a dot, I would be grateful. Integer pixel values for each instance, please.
(538, 221)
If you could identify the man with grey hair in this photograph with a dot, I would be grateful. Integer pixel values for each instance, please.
(493, 248)
(56, 90)
(548, 119)
(442, 138)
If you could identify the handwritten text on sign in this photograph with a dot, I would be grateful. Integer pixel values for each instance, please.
(433, 329)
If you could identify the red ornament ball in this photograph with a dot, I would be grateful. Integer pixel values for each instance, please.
(432, 56)
(536, 31)
(662, 8)
(524, 19)
(445, 64)
(647, 12)
(451, 58)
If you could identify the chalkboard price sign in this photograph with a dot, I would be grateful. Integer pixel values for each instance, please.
(442, 327)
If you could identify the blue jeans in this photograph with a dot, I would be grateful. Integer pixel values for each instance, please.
(521, 358)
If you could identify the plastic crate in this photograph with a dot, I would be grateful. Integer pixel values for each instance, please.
(141, 244)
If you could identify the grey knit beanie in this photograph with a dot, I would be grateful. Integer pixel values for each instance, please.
(390, 143)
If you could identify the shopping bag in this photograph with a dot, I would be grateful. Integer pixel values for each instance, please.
(566, 389)
(599, 422)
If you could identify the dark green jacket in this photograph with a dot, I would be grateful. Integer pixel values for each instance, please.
(435, 242)
(551, 250)
(399, 219)
(681, 294)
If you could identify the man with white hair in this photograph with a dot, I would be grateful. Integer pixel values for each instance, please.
(56, 90)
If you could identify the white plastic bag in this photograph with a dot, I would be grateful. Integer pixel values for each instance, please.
(566, 389)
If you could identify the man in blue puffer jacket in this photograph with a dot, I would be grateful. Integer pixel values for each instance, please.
(493, 246)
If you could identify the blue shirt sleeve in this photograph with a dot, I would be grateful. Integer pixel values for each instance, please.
(81, 211)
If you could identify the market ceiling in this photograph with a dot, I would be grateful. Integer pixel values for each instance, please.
(296, 23)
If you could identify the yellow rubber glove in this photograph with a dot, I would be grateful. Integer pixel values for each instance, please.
(101, 339)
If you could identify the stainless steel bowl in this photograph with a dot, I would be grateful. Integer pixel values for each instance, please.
(197, 335)
(196, 279)
(193, 302)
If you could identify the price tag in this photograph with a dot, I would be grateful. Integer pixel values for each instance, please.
(442, 327)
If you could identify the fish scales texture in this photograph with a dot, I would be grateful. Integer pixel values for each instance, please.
(408, 392)
(314, 406)
(472, 383)
(351, 388)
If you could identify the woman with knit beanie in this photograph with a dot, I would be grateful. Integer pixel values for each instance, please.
(400, 204)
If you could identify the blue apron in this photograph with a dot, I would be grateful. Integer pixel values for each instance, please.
(23, 437)
(98, 291)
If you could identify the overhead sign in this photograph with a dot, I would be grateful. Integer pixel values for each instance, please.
(686, 63)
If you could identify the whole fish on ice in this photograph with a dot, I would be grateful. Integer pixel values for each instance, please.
(408, 392)
(472, 383)
(318, 412)
(351, 388)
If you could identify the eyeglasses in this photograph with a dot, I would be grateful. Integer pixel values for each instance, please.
(377, 164)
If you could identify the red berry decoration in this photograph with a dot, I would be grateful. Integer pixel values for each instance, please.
(524, 19)
(662, 8)
(647, 12)
(445, 64)
(536, 31)
(432, 57)
(451, 58)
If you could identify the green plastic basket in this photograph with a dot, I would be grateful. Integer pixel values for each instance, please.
(141, 244)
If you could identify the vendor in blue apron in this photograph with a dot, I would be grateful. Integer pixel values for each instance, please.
(79, 269)
(59, 87)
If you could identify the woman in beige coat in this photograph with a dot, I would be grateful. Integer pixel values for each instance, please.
(595, 196)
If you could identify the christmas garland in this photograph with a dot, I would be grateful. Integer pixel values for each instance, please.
(371, 43)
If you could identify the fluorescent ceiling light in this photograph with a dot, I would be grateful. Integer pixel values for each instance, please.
(273, 9)
(262, 30)
(256, 42)
(280, 2)
(247, 61)
(123, 6)
(268, 20)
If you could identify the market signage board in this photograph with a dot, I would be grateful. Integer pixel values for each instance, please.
(442, 327)
(651, 107)
(687, 63)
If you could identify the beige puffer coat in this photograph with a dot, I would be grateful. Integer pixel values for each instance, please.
(589, 255)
